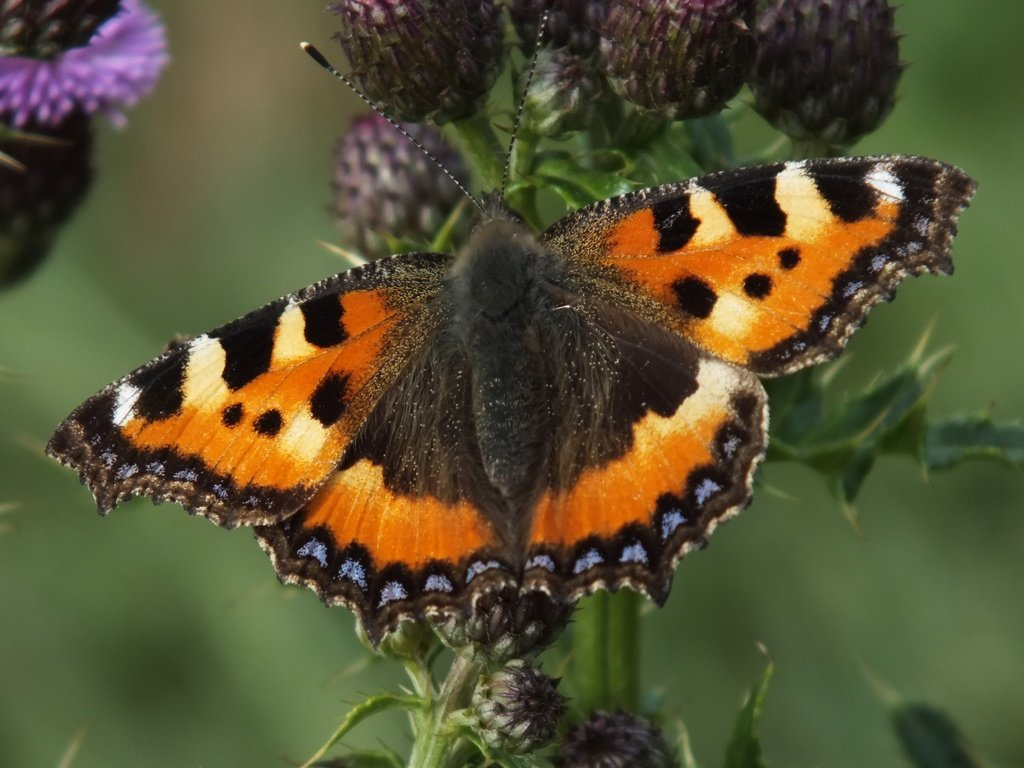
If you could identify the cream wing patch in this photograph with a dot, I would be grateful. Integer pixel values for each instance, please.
(204, 387)
(290, 342)
(808, 215)
(715, 225)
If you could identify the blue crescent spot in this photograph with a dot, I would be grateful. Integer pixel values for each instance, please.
(705, 491)
(541, 561)
(587, 561)
(475, 569)
(670, 521)
(316, 549)
(437, 582)
(353, 570)
(392, 591)
(634, 553)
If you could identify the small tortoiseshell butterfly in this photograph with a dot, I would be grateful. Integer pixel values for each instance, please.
(562, 413)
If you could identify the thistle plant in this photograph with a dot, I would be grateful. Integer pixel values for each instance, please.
(637, 93)
(604, 98)
(61, 63)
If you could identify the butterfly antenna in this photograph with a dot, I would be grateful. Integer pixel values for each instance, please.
(323, 62)
(522, 102)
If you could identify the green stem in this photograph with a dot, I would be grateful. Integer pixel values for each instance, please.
(811, 148)
(624, 649)
(433, 736)
(606, 658)
(589, 657)
(480, 144)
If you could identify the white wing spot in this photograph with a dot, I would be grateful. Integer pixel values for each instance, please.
(124, 405)
(885, 183)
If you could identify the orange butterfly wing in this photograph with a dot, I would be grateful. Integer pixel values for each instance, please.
(244, 423)
(772, 267)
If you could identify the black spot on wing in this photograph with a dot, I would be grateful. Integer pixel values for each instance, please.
(268, 423)
(844, 188)
(160, 387)
(750, 202)
(328, 401)
(695, 297)
(757, 285)
(248, 345)
(232, 415)
(674, 222)
(322, 316)
(789, 258)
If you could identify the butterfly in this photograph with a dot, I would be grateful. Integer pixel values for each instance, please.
(554, 413)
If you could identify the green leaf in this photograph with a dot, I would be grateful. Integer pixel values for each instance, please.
(712, 142)
(576, 185)
(665, 159)
(744, 750)
(372, 706)
(843, 442)
(931, 739)
(954, 440)
(797, 406)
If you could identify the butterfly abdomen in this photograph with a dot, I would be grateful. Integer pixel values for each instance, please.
(500, 298)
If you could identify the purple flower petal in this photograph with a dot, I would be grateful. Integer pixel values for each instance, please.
(119, 65)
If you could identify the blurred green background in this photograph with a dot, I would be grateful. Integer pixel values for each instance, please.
(170, 641)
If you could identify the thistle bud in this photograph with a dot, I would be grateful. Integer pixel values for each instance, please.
(39, 196)
(43, 28)
(565, 95)
(385, 187)
(503, 624)
(572, 24)
(422, 60)
(615, 740)
(679, 58)
(518, 708)
(826, 70)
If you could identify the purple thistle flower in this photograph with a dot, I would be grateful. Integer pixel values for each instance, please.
(119, 65)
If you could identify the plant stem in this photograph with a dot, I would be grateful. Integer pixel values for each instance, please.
(433, 736)
(606, 658)
(624, 649)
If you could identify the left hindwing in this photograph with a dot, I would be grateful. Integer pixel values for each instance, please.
(771, 267)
